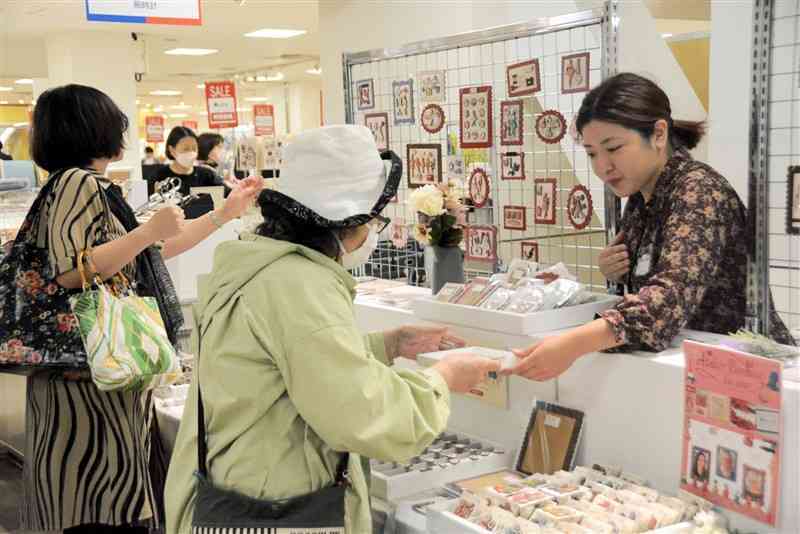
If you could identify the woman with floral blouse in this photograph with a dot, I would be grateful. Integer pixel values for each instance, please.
(683, 246)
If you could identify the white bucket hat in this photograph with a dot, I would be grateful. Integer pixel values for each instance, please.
(334, 176)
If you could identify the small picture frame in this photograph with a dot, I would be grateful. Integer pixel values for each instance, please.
(575, 73)
(700, 468)
(555, 427)
(432, 86)
(513, 166)
(480, 188)
(481, 243)
(754, 484)
(403, 101)
(793, 201)
(514, 218)
(424, 164)
(551, 126)
(530, 251)
(580, 207)
(523, 78)
(400, 233)
(456, 168)
(475, 104)
(378, 123)
(726, 463)
(511, 123)
(432, 118)
(545, 200)
(365, 94)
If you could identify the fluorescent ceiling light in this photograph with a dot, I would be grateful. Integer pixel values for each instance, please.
(6, 89)
(3, 102)
(257, 99)
(159, 109)
(138, 102)
(278, 76)
(20, 124)
(666, 35)
(201, 86)
(191, 51)
(21, 101)
(182, 106)
(178, 115)
(271, 33)
(165, 92)
(24, 81)
(317, 71)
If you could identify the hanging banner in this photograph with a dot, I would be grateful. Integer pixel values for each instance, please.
(221, 104)
(154, 128)
(732, 430)
(192, 125)
(264, 119)
(172, 12)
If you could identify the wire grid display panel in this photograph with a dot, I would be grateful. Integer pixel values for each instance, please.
(482, 65)
(784, 151)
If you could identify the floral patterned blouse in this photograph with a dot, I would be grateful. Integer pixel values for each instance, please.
(688, 247)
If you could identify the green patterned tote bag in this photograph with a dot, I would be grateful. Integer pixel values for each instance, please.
(126, 343)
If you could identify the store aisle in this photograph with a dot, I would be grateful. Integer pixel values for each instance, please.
(10, 494)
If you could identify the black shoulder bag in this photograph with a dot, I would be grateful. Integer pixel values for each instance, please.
(220, 511)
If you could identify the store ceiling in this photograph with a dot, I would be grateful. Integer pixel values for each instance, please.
(24, 25)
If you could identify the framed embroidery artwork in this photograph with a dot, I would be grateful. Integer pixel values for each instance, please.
(378, 123)
(545, 190)
(513, 166)
(575, 73)
(403, 100)
(523, 78)
(365, 94)
(475, 104)
(514, 218)
(424, 162)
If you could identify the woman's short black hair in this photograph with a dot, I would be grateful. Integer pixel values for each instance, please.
(148, 150)
(175, 136)
(75, 124)
(206, 143)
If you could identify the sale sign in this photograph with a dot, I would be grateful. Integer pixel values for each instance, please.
(192, 125)
(154, 128)
(221, 104)
(264, 118)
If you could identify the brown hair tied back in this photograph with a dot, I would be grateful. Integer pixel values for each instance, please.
(636, 103)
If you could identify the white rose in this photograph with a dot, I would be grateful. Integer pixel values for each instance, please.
(428, 200)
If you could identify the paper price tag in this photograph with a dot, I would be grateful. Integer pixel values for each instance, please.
(552, 421)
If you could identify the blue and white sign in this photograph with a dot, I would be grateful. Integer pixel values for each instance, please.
(175, 12)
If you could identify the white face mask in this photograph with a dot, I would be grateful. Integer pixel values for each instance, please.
(186, 159)
(359, 256)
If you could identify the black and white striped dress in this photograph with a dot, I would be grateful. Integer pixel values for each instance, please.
(87, 452)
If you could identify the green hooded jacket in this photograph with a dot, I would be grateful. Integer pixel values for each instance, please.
(289, 383)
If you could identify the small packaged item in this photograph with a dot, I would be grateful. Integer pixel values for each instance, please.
(527, 298)
(520, 269)
(613, 482)
(526, 501)
(498, 299)
(633, 479)
(676, 504)
(504, 522)
(472, 292)
(586, 507)
(644, 518)
(536, 480)
(466, 506)
(622, 525)
(558, 293)
(552, 514)
(597, 526)
(569, 527)
(629, 497)
(565, 491)
(648, 493)
(666, 516)
(566, 477)
(450, 292)
(611, 505)
(608, 470)
(528, 527)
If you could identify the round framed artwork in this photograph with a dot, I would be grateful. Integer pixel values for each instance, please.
(432, 118)
(479, 188)
(579, 207)
(551, 126)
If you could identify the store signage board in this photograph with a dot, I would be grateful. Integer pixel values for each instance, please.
(154, 128)
(264, 119)
(170, 12)
(732, 430)
(221, 104)
(192, 125)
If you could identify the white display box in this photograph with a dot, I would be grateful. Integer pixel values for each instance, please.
(442, 520)
(512, 323)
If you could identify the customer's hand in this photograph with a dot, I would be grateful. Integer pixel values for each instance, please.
(614, 260)
(464, 371)
(165, 223)
(413, 340)
(242, 197)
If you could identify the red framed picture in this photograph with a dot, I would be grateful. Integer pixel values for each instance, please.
(523, 78)
(424, 163)
(580, 207)
(551, 126)
(475, 104)
(511, 122)
(378, 123)
(530, 250)
(480, 188)
(365, 93)
(432, 118)
(514, 218)
(575, 73)
(481, 243)
(545, 200)
(513, 166)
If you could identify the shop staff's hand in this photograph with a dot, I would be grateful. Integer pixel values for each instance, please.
(614, 260)
(464, 371)
(165, 223)
(411, 341)
(544, 361)
(242, 197)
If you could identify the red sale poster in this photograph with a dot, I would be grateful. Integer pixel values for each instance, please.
(154, 128)
(221, 104)
(732, 430)
(192, 125)
(264, 119)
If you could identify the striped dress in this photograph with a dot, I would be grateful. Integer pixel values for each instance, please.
(87, 452)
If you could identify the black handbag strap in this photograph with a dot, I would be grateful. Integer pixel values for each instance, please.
(202, 444)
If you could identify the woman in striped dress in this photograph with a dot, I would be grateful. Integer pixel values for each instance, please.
(87, 456)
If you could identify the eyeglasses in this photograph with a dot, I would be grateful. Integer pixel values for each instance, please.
(380, 223)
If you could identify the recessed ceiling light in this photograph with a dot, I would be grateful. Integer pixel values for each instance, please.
(178, 115)
(165, 92)
(257, 99)
(191, 51)
(6, 89)
(158, 109)
(182, 106)
(20, 124)
(272, 33)
(666, 35)
(261, 78)
(24, 81)
(315, 71)
(278, 76)
(3, 102)
(138, 102)
(250, 79)
(201, 86)
(21, 101)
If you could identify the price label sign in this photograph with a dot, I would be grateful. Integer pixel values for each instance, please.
(192, 125)
(154, 128)
(264, 119)
(221, 104)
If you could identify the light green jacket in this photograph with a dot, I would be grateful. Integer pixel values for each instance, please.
(289, 382)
